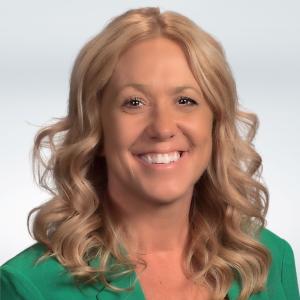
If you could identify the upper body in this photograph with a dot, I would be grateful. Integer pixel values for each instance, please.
(49, 280)
(154, 154)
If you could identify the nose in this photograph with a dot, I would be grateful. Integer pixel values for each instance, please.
(162, 124)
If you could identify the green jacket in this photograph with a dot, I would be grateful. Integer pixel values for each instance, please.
(49, 280)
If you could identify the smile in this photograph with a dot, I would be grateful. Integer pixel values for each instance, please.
(162, 160)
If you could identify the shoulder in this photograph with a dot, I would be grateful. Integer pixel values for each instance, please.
(280, 249)
(282, 278)
(26, 259)
(22, 277)
(37, 280)
(27, 264)
(276, 244)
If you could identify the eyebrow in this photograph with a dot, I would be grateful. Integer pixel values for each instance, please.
(146, 88)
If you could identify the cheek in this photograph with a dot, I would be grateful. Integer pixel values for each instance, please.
(201, 138)
(200, 130)
(203, 151)
(204, 146)
(120, 134)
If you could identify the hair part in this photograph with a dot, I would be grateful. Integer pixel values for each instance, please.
(229, 203)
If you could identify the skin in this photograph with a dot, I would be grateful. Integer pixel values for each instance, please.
(152, 204)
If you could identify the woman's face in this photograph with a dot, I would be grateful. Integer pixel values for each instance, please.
(157, 126)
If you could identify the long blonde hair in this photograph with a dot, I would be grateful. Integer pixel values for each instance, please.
(229, 203)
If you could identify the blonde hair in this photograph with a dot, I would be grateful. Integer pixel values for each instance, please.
(229, 203)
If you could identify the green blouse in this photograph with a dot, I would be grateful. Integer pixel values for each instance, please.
(49, 280)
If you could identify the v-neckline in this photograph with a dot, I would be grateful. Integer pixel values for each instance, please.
(137, 293)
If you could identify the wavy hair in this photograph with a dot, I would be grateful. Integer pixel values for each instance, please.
(229, 202)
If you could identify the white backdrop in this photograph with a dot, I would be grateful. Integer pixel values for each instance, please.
(40, 40)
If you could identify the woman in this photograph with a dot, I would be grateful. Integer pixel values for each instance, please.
(156, 183)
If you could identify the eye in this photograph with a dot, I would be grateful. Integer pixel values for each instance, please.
(187, 101)
(133, 102)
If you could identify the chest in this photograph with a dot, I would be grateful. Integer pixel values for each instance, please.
(169, 282)
(182, 291)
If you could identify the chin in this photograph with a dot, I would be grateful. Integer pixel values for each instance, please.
(165, 195)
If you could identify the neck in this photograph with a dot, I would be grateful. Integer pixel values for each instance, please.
(152, 229)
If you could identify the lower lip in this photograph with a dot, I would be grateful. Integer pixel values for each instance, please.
(168, 166)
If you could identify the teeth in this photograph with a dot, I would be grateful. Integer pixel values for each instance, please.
(164, 158)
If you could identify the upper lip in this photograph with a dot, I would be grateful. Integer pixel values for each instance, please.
(158, 151)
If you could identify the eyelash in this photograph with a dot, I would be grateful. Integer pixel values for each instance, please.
(193, 102)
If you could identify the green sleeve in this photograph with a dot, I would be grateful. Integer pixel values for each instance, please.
(14, 286)
(288, 273)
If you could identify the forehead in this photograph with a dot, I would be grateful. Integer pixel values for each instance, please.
(154, 62)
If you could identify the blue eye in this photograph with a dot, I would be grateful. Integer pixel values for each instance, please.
(187, 101)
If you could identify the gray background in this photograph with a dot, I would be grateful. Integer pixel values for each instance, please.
(40, 40)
